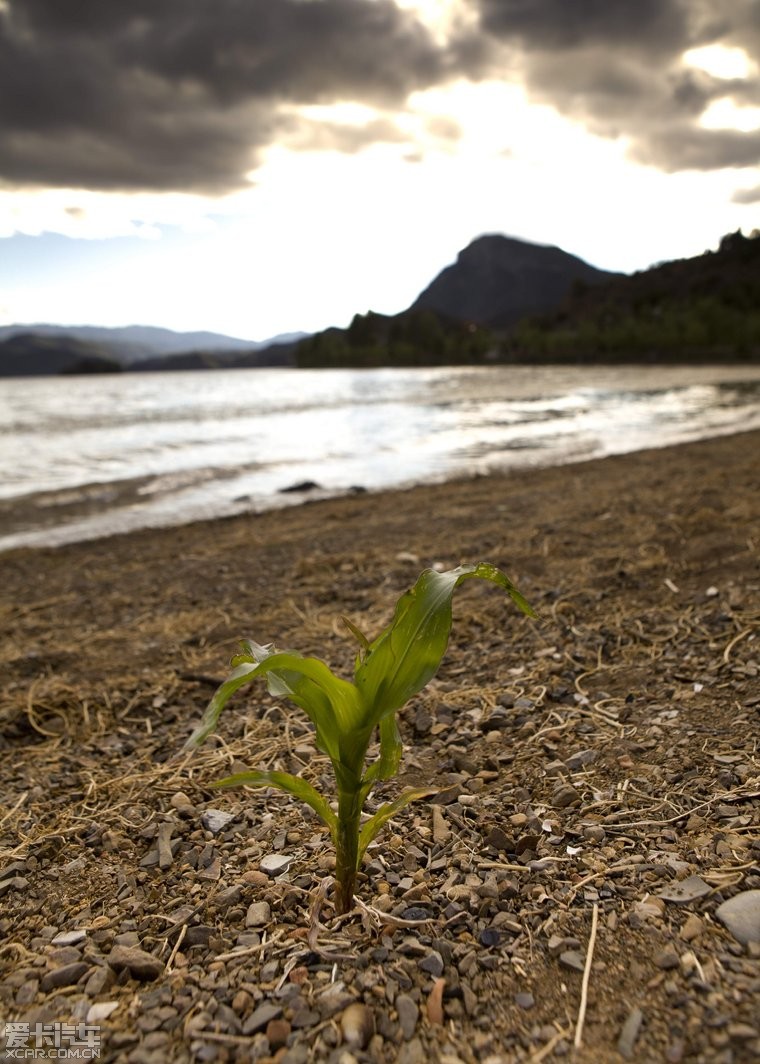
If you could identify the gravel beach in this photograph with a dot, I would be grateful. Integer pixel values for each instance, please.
(584, 884)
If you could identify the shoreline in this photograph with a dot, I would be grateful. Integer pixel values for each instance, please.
(84, 501)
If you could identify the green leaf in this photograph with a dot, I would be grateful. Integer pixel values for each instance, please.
(331, 704)
(294, 785)
(371, 827)
(357, 633)
(387, 763)
(408, 653)
(240, 676)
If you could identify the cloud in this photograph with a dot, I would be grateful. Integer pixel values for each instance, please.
(746, 195)
(173, 95)
(617, 66)
(166, 94)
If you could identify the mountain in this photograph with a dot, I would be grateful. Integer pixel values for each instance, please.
(497, 280)
(33, 350)
(31, 355)
(706, 308)
(134, 342)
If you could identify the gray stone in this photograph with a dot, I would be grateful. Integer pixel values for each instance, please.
(525, 1000)
(261, 1016)
(140, 964)
(408, 1015)
(565, 796)
(741, 915)
(581, 759)
(630, 1033)
(432, 964)
(572, 959)
(67, 975)
(259, 914)
(216, 820)
(274, 864)
(69, 938)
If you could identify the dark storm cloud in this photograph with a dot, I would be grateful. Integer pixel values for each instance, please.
(616, 66)
(163, 94)
(185, 94)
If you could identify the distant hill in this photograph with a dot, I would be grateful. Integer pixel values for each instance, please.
(29, 355)
(52, 349)
(505, 300)
(706, 308)
(494, 283)
(497, 280)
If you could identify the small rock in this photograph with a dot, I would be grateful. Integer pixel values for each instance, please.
(216, 820)
(277, 1033)
(357, 1024)
(274, 864)
(630, 1033)
(685, 890)
(741, 915)
(301, 485)
(101, 1010)
(572, 959)
(667, 958)
(67, 975)
(261, 1016)
(581, 759)
(14, 883)
(180, 801)
(432, 964)
(565, 796)
(259, 914)
(498, 838)
(525, 1000)
(69, 938)
(140, 964)
(27, 992)
(692, 928)
(408, 1015)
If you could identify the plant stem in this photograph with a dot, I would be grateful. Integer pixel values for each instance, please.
(347, 849)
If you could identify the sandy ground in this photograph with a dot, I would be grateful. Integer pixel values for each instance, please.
(587, 763)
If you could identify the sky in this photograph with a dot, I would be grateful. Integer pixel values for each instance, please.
(254, 167)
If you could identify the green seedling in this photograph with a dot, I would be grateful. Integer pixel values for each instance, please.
(388, 672)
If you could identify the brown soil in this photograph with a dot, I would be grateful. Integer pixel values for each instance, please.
(476, 917)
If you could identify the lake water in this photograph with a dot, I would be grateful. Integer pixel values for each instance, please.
(83, 457)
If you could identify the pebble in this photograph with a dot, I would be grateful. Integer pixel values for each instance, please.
(741, 915)
(139, 963)
(565, 796)
(667, 958)
(274, 864)
(432, 964)
(572, 959)
(69, 938)
(692, 928)
(66, 975)
(277, 1033)
(259, 914)
(101, 1010)
(581, 759)
(261, 1016)
(525, 1000)
(630, 1033)
(498, 838)
(408, 1015)
(216, 820)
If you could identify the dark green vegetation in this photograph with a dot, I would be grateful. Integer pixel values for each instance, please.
(702, 309)
(503, 300)
(389, 671)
